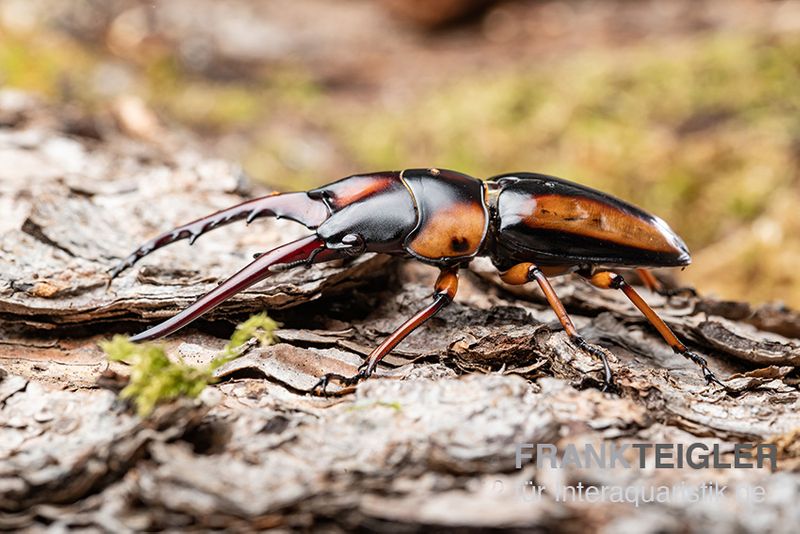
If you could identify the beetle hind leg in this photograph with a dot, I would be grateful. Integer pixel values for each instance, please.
(654, 284)
(527, 272)
(609, 280)
(444, 293)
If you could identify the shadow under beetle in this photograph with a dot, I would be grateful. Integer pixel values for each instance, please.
(532, 226)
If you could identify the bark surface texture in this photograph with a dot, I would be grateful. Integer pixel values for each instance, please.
(429, 444)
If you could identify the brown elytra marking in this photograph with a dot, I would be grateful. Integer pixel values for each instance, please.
(455, 231)
(360, 187)
(583, 216)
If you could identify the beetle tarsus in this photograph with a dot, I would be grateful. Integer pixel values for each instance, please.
(609, 280)
(708, 375)
(608, 378)
(321, 387)
(444, 293)
(523, 273)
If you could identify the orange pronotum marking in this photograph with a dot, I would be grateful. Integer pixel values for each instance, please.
(455, 231)
(594, 219)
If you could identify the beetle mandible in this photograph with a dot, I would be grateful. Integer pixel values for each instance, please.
(532, 226)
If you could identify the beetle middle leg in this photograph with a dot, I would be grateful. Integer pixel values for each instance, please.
(444, 293)
(609, 280)
(528, 272)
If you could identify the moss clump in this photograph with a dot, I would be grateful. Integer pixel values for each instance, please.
(156, 379)
(259, 327)
(394, 405)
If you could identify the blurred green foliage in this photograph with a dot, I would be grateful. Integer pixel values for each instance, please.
(704, 133)
(49, 65)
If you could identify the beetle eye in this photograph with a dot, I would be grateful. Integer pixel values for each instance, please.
(356, 244)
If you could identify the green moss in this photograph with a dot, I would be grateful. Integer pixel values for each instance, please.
(394, 405)
(259, 327)
(156, 379)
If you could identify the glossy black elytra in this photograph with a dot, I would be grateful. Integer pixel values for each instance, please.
(531, 226)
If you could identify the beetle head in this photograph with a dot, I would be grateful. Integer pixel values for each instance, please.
(368, 213)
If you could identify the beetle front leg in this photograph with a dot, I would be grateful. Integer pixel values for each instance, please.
(609, 280)
(444, 293)
(528, 272)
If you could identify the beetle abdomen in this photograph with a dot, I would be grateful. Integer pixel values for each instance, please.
(552, 221)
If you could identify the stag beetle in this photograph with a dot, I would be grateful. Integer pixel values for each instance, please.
(532, 226)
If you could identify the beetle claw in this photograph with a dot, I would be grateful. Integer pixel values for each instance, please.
(708, 375)
(608, 377)
(320, 388)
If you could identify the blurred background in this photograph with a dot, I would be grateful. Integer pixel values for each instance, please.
(689, 108)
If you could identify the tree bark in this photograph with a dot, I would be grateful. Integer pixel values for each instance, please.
(429, 443)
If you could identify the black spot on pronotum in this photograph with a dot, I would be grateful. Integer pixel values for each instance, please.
(459, 244)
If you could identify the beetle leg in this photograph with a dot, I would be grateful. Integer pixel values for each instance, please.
(654, 284)
(528, 272)
(444, 293)
(298, 207)
(609, 280)
(306, 250)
